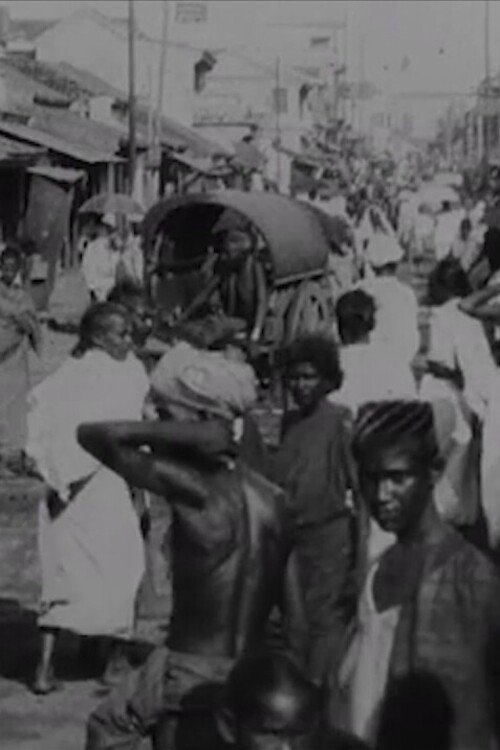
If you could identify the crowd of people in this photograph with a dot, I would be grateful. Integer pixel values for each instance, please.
(337, 590)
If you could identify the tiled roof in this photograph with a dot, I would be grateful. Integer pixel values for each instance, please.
(69, 82)
(29, 28)
(22, 88)
(33, 135)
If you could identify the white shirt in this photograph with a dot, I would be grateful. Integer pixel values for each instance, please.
(99, 267)
(447, 227)
(457, 339)
(372, 372)
(396, 323)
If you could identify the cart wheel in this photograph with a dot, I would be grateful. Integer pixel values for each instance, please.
(310, 311)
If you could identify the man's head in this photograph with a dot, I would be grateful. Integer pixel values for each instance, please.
(132, 298)
(192, 385)
(105, 326)
(268, 705)
(312, 369)
(10, 264)
(355, 312)
(398, 456)
(447, 281)
(237, 243)
(107, 225)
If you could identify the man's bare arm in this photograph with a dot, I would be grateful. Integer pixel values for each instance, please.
(120, 446)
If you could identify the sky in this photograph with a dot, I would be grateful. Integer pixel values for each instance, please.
(442, 41)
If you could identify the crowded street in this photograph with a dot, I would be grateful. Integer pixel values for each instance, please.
(249, 375)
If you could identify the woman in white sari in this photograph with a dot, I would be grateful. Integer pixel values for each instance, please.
(91, 549)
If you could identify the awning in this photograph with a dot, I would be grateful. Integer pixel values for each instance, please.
(54, 143)
(202, 166)
(58, 174)
(12, 151)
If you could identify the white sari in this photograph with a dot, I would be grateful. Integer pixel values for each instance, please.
(91, 552)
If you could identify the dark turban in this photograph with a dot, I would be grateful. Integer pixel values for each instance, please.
(387, 423)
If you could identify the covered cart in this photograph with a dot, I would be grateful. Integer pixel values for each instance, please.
(290, 243)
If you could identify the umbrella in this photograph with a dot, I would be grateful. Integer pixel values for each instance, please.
(435, 195)
(111, 203)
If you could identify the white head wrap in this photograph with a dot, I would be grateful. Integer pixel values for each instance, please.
(204, 381)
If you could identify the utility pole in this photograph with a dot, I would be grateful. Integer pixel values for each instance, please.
(161, 72)
(344, 65)
(131, 94)
(361, 111)
(278, 120)
(486, 99)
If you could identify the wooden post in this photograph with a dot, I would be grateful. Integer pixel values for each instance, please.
(486, 99)
(162, 72)
(278, 123)
(131, 94)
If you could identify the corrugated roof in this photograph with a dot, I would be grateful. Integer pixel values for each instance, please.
(33, 135)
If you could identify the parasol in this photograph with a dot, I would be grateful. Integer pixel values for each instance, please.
(111, 203)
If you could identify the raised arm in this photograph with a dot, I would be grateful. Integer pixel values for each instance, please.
(478, 303)
(123, 447)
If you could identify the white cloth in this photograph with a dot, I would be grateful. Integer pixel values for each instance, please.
(336, 206)
(366, 666)
(133, 260)
(92, 555)
(380, 245)
(447, 227)
(490, 466)
(466, 251)
(458, 340)
(372, 372)
(396, 323)
(99, 266)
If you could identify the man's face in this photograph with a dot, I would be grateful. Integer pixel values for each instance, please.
(116, 339)
(237, 243)
(397, 486)
(267, 740)
(9, 269)
(306, 385)
(284, 726)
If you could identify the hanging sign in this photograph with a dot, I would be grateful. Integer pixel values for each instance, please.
(191, 12)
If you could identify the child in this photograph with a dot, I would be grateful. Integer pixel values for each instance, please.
(268, 703)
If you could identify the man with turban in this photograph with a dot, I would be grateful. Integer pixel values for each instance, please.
(431, 600)
(230, 538)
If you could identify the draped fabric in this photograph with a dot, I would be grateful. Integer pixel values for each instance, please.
(91, 549)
